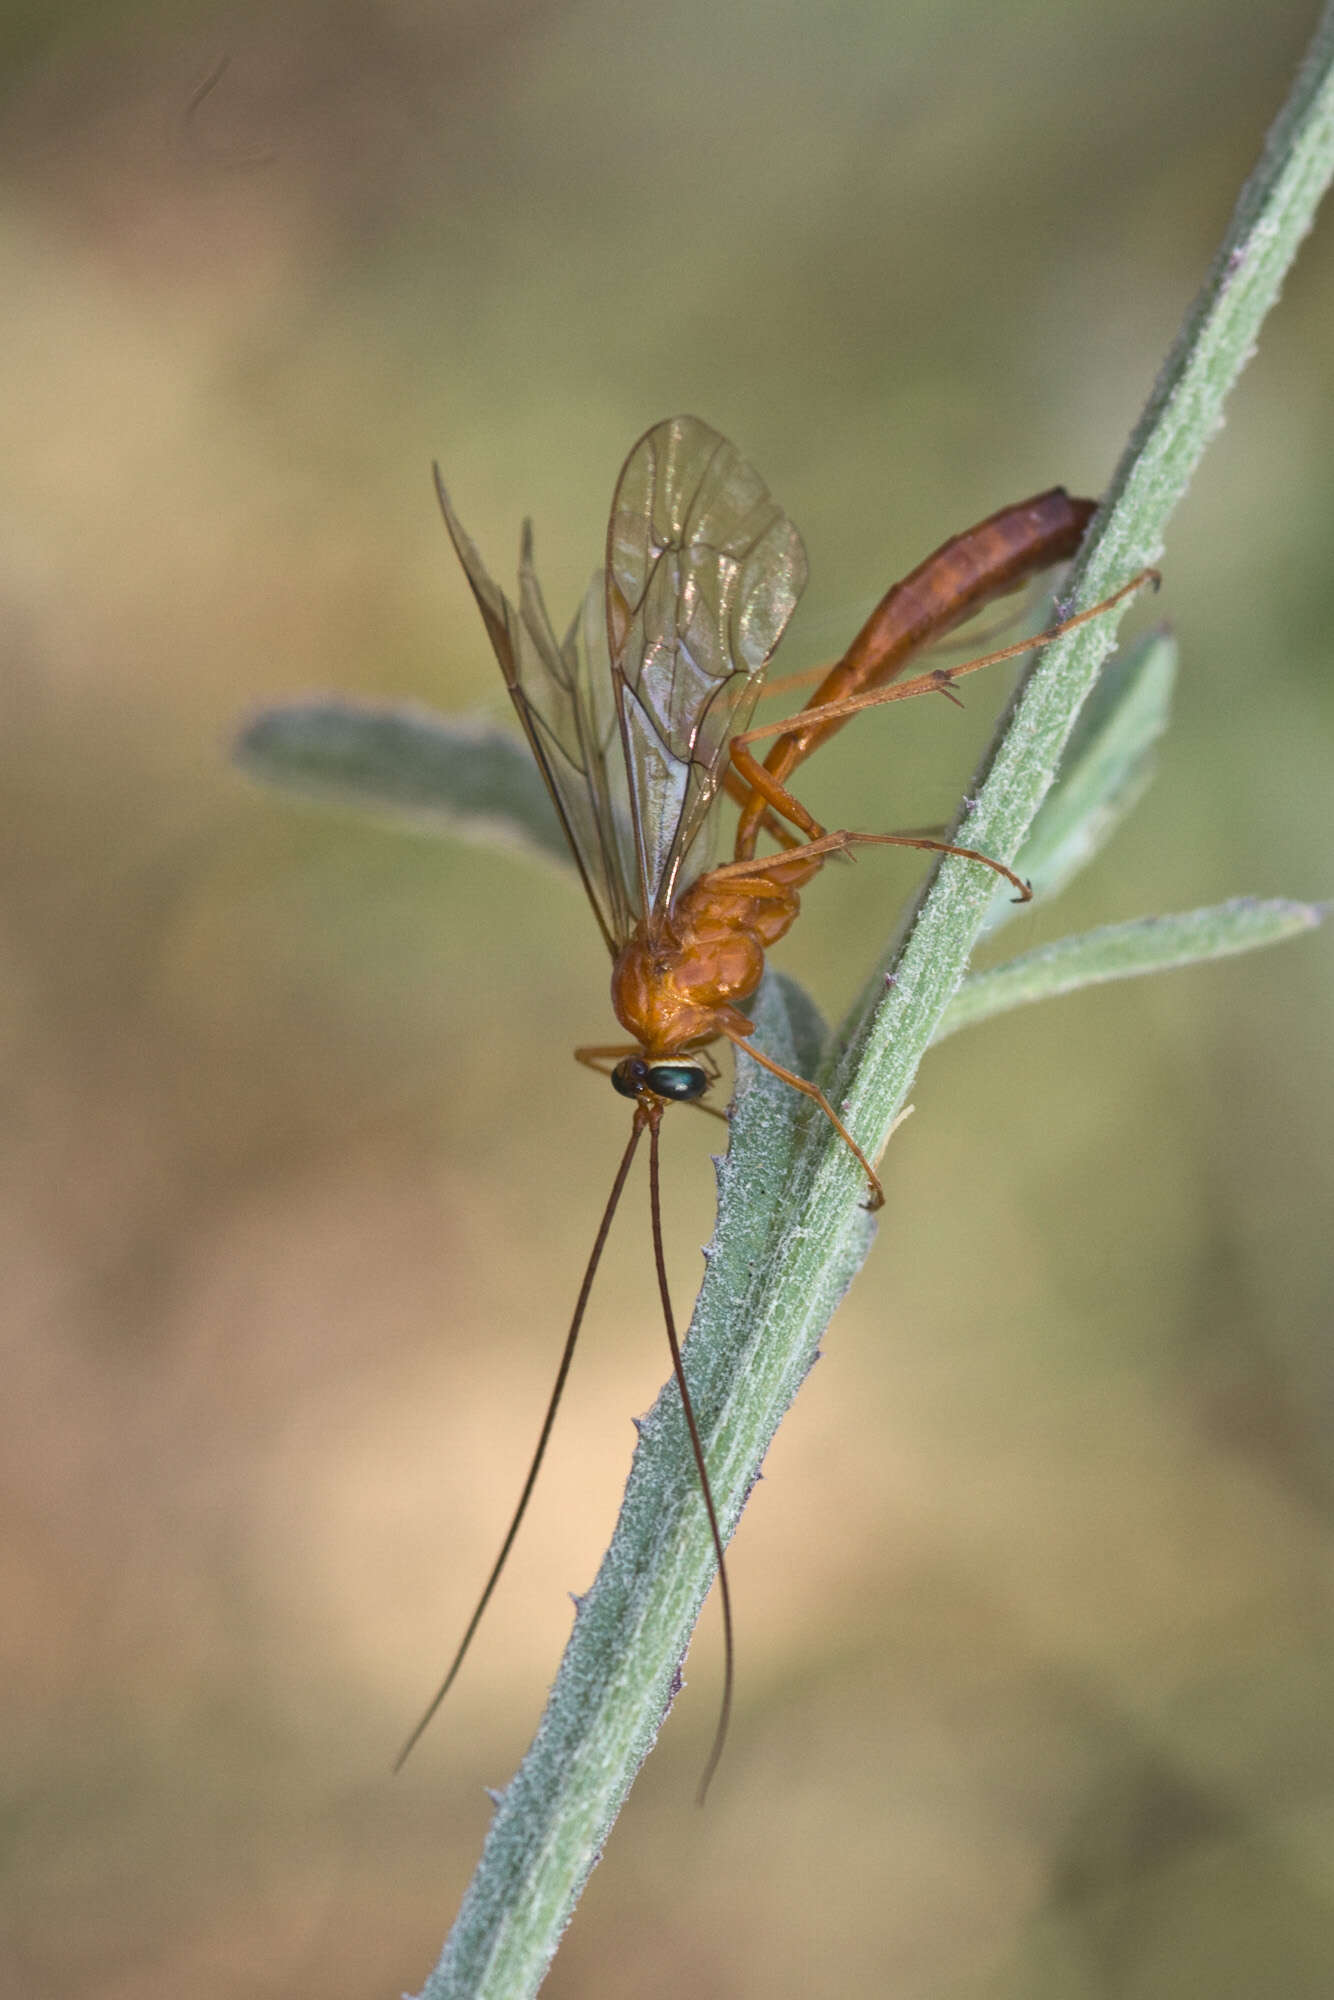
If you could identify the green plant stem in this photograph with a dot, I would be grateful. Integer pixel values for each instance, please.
(791, 1229)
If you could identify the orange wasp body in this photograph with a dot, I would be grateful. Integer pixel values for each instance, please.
(638, 721)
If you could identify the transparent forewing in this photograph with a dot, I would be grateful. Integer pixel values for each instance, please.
(570, 723)
(588, 668)
(703, 572)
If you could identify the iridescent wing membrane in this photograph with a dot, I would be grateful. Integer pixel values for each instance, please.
(703, 573)
(564, 701)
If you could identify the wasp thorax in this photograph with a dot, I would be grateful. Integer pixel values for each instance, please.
(668, 991)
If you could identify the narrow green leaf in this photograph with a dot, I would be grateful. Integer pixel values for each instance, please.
(1107, 764)
(442, 775)
(1125, 951)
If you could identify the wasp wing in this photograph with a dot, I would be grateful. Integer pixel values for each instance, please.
(703, 572)
(564, 701)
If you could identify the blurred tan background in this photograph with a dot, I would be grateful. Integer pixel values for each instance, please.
(1035, 1644)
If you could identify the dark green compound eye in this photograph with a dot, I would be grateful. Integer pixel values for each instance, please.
(678, 1082)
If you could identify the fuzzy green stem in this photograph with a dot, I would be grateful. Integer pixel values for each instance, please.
(791, 1229)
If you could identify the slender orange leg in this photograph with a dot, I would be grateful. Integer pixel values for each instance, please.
(825, 844)
(737, 789)
(817, 1096)
(811, 676)
(821, 844)
(938, 681)
(860, 681)
(789, 683)
(698, 1104)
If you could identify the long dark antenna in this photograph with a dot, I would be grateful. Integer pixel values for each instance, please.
(548, 1421)
(725, 1711)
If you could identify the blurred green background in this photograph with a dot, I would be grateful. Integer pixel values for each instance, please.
(1035, 1648)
